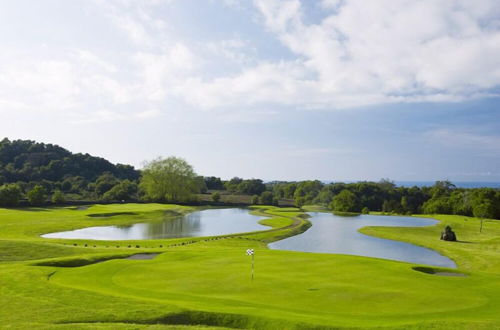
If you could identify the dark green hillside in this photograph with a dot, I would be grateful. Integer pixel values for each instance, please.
(29, 163)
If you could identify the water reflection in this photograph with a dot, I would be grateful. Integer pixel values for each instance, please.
(202, 223)
(334, 234)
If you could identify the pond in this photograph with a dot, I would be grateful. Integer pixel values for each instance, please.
(210, 222)
(337, 234)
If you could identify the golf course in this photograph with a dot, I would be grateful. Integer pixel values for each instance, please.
(205, 282)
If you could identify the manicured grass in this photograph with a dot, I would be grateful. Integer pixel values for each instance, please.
(206, 281)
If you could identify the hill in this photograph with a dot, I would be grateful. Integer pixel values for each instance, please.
(28, 163)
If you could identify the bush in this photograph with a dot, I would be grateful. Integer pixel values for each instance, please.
(365, 210)
(255, 199)
(10, 194)
(124, 190)
(266, 198)
(215, 197)
(58, 197)
(37, 195)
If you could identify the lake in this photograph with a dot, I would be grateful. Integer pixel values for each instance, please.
(210, 222)
(329, 233)
(338, 234)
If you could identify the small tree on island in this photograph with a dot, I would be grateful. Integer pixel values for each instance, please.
(37, 196)
(345, 201)
(168, 180)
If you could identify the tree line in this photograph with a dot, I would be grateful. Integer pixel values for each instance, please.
(41, 172)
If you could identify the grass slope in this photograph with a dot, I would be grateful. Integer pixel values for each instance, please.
(205, 282)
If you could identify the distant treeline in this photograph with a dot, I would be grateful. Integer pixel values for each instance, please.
(41, 172)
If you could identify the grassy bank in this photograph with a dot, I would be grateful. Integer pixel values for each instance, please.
(206, 283)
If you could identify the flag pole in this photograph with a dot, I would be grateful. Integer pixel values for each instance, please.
(252, 264)
(251, 252)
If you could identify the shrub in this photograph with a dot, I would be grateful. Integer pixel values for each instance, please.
(10, 194)
(58, 197)
(37, 195)
(266, 198)
(215, 197)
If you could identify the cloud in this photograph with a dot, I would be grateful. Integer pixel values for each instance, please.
(366, 53)
(106, 115)
(357, 53)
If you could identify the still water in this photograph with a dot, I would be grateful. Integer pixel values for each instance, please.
(336, 234)
(202, 223)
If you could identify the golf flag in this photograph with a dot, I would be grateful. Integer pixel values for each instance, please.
(251, 252)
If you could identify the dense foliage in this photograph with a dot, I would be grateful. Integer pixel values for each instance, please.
(384, 196)
(27, 164)
(169, 180)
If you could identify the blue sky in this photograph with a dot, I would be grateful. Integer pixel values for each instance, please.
(285, 90)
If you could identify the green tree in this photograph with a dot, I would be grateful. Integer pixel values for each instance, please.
(365, 210)
(266, 198)
(125, 190)
(37, 195)
(255, 199)
(440, 205)
(171, 179)
(58, 197)
(10, 194)
(215, 197)
(104, 183)
(483, 210)
(345, 201)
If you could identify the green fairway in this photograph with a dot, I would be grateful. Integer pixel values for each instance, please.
(205, 282)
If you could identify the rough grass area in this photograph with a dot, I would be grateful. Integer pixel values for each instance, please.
(204, 283)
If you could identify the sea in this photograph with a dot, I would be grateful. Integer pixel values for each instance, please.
(458, 184)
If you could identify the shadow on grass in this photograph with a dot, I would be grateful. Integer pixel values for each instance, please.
(108, 215)
(438, 271)
(212, 319)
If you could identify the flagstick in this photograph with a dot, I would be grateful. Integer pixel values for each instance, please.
(251, 252)
(252, 265)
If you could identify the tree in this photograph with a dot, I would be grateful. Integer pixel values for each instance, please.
(10, 194)
(215, 197)
(483, 210)
(250, 187)
(266, 198)
(104, 183)
(255, 199)
(213, 183)
(171, 179)
(37, 195)
(125, 190)
(345, 201)
(365, 210)
(58, 197)
(440, 205)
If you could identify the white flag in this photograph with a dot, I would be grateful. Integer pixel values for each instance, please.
(250, 252)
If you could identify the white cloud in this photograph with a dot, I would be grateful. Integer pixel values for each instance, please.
(368, 52)
(360, 53)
